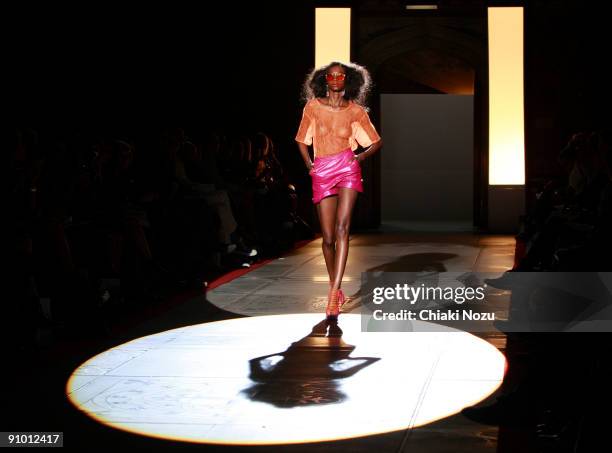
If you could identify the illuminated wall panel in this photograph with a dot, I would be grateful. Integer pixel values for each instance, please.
(332, 35)
(506, 113)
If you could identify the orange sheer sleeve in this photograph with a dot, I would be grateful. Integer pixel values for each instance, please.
(305, 130)
(364, 131)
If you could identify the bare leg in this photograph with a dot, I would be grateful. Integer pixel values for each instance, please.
(346, 202)
(327, 217)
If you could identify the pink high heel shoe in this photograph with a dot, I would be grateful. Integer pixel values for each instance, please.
(335, 301)
(341, 299)
(333, 308)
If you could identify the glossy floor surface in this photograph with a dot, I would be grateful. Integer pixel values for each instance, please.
(279, 374)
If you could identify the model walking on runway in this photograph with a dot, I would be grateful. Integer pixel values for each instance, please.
(335, 122)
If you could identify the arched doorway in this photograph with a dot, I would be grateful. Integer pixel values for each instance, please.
(430, 102)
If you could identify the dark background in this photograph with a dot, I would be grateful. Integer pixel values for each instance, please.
(237, 66)
(231, 65)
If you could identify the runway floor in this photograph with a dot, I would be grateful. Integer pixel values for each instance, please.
(270, 374)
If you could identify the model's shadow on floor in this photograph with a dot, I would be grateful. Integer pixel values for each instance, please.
(308, 372)
(426, 263)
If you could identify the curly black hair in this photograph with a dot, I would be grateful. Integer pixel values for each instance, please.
(357, 84)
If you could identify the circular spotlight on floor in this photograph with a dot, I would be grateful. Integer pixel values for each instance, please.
(284, 379)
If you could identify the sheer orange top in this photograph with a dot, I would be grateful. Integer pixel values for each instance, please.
(332, 131)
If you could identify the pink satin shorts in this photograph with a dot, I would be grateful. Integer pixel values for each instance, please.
(331, 172)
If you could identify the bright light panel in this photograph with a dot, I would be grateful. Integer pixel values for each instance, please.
(332, 35)
(506, 111)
